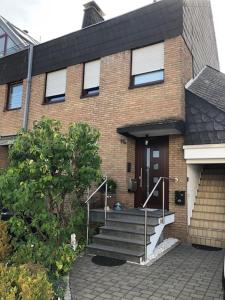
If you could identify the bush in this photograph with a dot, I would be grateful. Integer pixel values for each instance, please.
(4, 241)
(28, 282)
(48, 174)
(112, 185)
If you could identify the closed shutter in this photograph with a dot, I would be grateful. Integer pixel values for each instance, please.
(148, 59)
(56, 83)
(92, 74)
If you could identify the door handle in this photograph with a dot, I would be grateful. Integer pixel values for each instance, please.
(140, 178)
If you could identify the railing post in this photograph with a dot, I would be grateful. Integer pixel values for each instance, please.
(106, 198)
(145, 233)
(163, 190)
(88, 217)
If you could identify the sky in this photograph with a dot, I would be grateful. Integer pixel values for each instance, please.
(48, 19)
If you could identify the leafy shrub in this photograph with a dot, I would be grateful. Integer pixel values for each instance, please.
(112, 185)
(48, 173)
(4, 241)
(28, 282)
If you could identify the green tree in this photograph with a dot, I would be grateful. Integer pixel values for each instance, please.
(43, 186)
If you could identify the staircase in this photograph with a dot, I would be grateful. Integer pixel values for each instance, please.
(208, 217)
(122, 237)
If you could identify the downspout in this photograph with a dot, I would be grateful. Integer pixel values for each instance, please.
(28, 87)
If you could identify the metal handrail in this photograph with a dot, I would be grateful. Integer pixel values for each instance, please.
(105, 182)
(163, 208)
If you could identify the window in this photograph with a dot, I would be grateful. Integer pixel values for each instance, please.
(55, 86)
(15, 93)
(147, 65)
(91, 78)
(3, 44)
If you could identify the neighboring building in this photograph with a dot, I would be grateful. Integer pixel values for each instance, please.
(13, 39)
(127, 76)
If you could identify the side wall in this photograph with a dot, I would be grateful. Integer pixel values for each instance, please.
(199, 34)
(177, 168)
(193, 175)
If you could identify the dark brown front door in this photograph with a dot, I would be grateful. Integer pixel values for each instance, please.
(151, 164)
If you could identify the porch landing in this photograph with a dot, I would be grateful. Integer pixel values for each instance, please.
(97, 215)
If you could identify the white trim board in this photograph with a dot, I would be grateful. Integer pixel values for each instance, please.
(204, 154)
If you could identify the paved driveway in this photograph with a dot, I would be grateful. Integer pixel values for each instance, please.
(184, 273)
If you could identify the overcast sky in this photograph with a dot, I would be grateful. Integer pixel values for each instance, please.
(48, 19)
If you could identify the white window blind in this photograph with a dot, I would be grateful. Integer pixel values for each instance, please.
(148, 59)
(91, 74)
(56, 83)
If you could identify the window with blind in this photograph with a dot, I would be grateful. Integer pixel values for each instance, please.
(55, 86)
(15, 94)
(91, 78)
(147, 65)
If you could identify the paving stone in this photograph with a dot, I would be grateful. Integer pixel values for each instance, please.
(184, 273)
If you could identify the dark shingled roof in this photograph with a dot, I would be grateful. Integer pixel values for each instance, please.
(210, 86)
(205, 108)
(148, 25)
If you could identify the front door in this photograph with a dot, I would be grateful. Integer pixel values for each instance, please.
(151, 164)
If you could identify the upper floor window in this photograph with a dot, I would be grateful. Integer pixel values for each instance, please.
(147, 65)
(3, 44)
(91, 78)
(55, 86)
(15, 94)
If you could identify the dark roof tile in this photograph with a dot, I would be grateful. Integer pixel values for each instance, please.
(150, 24)
(210, 86)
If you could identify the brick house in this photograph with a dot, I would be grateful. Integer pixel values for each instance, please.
(126, 76)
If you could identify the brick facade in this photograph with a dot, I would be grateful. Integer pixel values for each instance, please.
(116, 106)
(3, 157)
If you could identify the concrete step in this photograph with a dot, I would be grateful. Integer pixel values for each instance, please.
(211, 189)
(208, 224)
(211, 195)
(138, 218)
(206, 201)
(216, 171)
(220, 177)
(131, 225)
(207, 233)
(209, 208)
(212, 182)
(207, 241)
(208, 216)
(116, 252)
(126, 233)
(119, 242)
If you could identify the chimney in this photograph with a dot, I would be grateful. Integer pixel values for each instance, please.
(92, 14)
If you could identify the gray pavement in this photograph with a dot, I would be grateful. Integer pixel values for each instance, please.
(184, 273)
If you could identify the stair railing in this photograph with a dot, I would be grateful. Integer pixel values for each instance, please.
(89, 197)
(163, 206)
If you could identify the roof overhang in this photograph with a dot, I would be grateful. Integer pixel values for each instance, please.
(7, 140)
(160, 128)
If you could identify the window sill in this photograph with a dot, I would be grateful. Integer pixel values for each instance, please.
(132, 86)
(11, 109)
(88, 96)
(53, 102)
